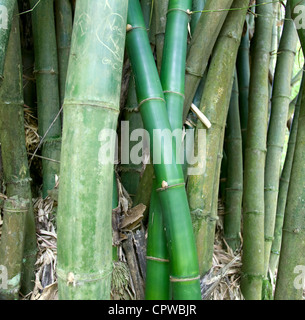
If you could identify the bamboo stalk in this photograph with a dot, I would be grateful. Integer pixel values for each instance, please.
(12, 137)
(63, 14)
(283, 188)
(198, 5)
(201, 46)
(12, 245)
(277, 127)
(91, 109)
(6, 11)
(243, 75)
(255, 153)
(215, 101)
(46, 73)
(234, 183)
(288, 285)
(170, 181)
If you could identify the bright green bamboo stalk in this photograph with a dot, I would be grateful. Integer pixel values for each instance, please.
(283, 188)
(202, 189)
(48, 103)
(234, 183)
(6, 18)
(157, 263)
(91, 109)
(292, 259)
(203, 40)
(14, 156)
(253, 197)
(198, 5)
(277, 127)
(63, 11)
(243, 75)
(170, 181)
(146, 6)
(160, 7)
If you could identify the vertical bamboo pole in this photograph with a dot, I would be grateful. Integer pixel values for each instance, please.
(253, 197)
(91, 109)
(46, 72)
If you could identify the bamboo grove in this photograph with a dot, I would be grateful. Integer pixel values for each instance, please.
(104, 83)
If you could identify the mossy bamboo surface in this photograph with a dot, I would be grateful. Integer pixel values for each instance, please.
(214, 104)
(48, 103)
(14, 156)
(243, 75)
(234, 182)
(255, 153)
(6, 11)
(12, 245)
(170, 181)
(283, 188)
(201, 46)
(63, 17)
(277, 127)
(289, 284)
(91, 109)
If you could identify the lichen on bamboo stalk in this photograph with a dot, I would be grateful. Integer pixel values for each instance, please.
(255, 153)
(48, 101)
(91, 109)
(6, 12)
(201, 46)
(214, 104)
(16, 174)
(277, 127)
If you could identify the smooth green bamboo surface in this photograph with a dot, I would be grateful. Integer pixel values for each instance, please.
(198, 5)
(14, 155)
(234, 182)
(48, 103)
(283, 188)
(215, 101)
(157, 284)
(6, 18)
(289, 284)
(91, 109)
(201, 46)
(170, 181)
(243, 75)
(63, 15)
(255, 154)
(277, 127)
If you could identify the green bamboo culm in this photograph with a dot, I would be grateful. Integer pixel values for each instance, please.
(157, 284)
(215, 101)
(277, 127)
(6, 18)
(234, 182)
(63, 18)
(201, 46)
(198, 5)
(283, 187)
(160, 7)
(48, 103)
(255, 153)
(16, 174)
(172, 81)
(184, 275)
(91, 109)
(289, 284)
(243, 75)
